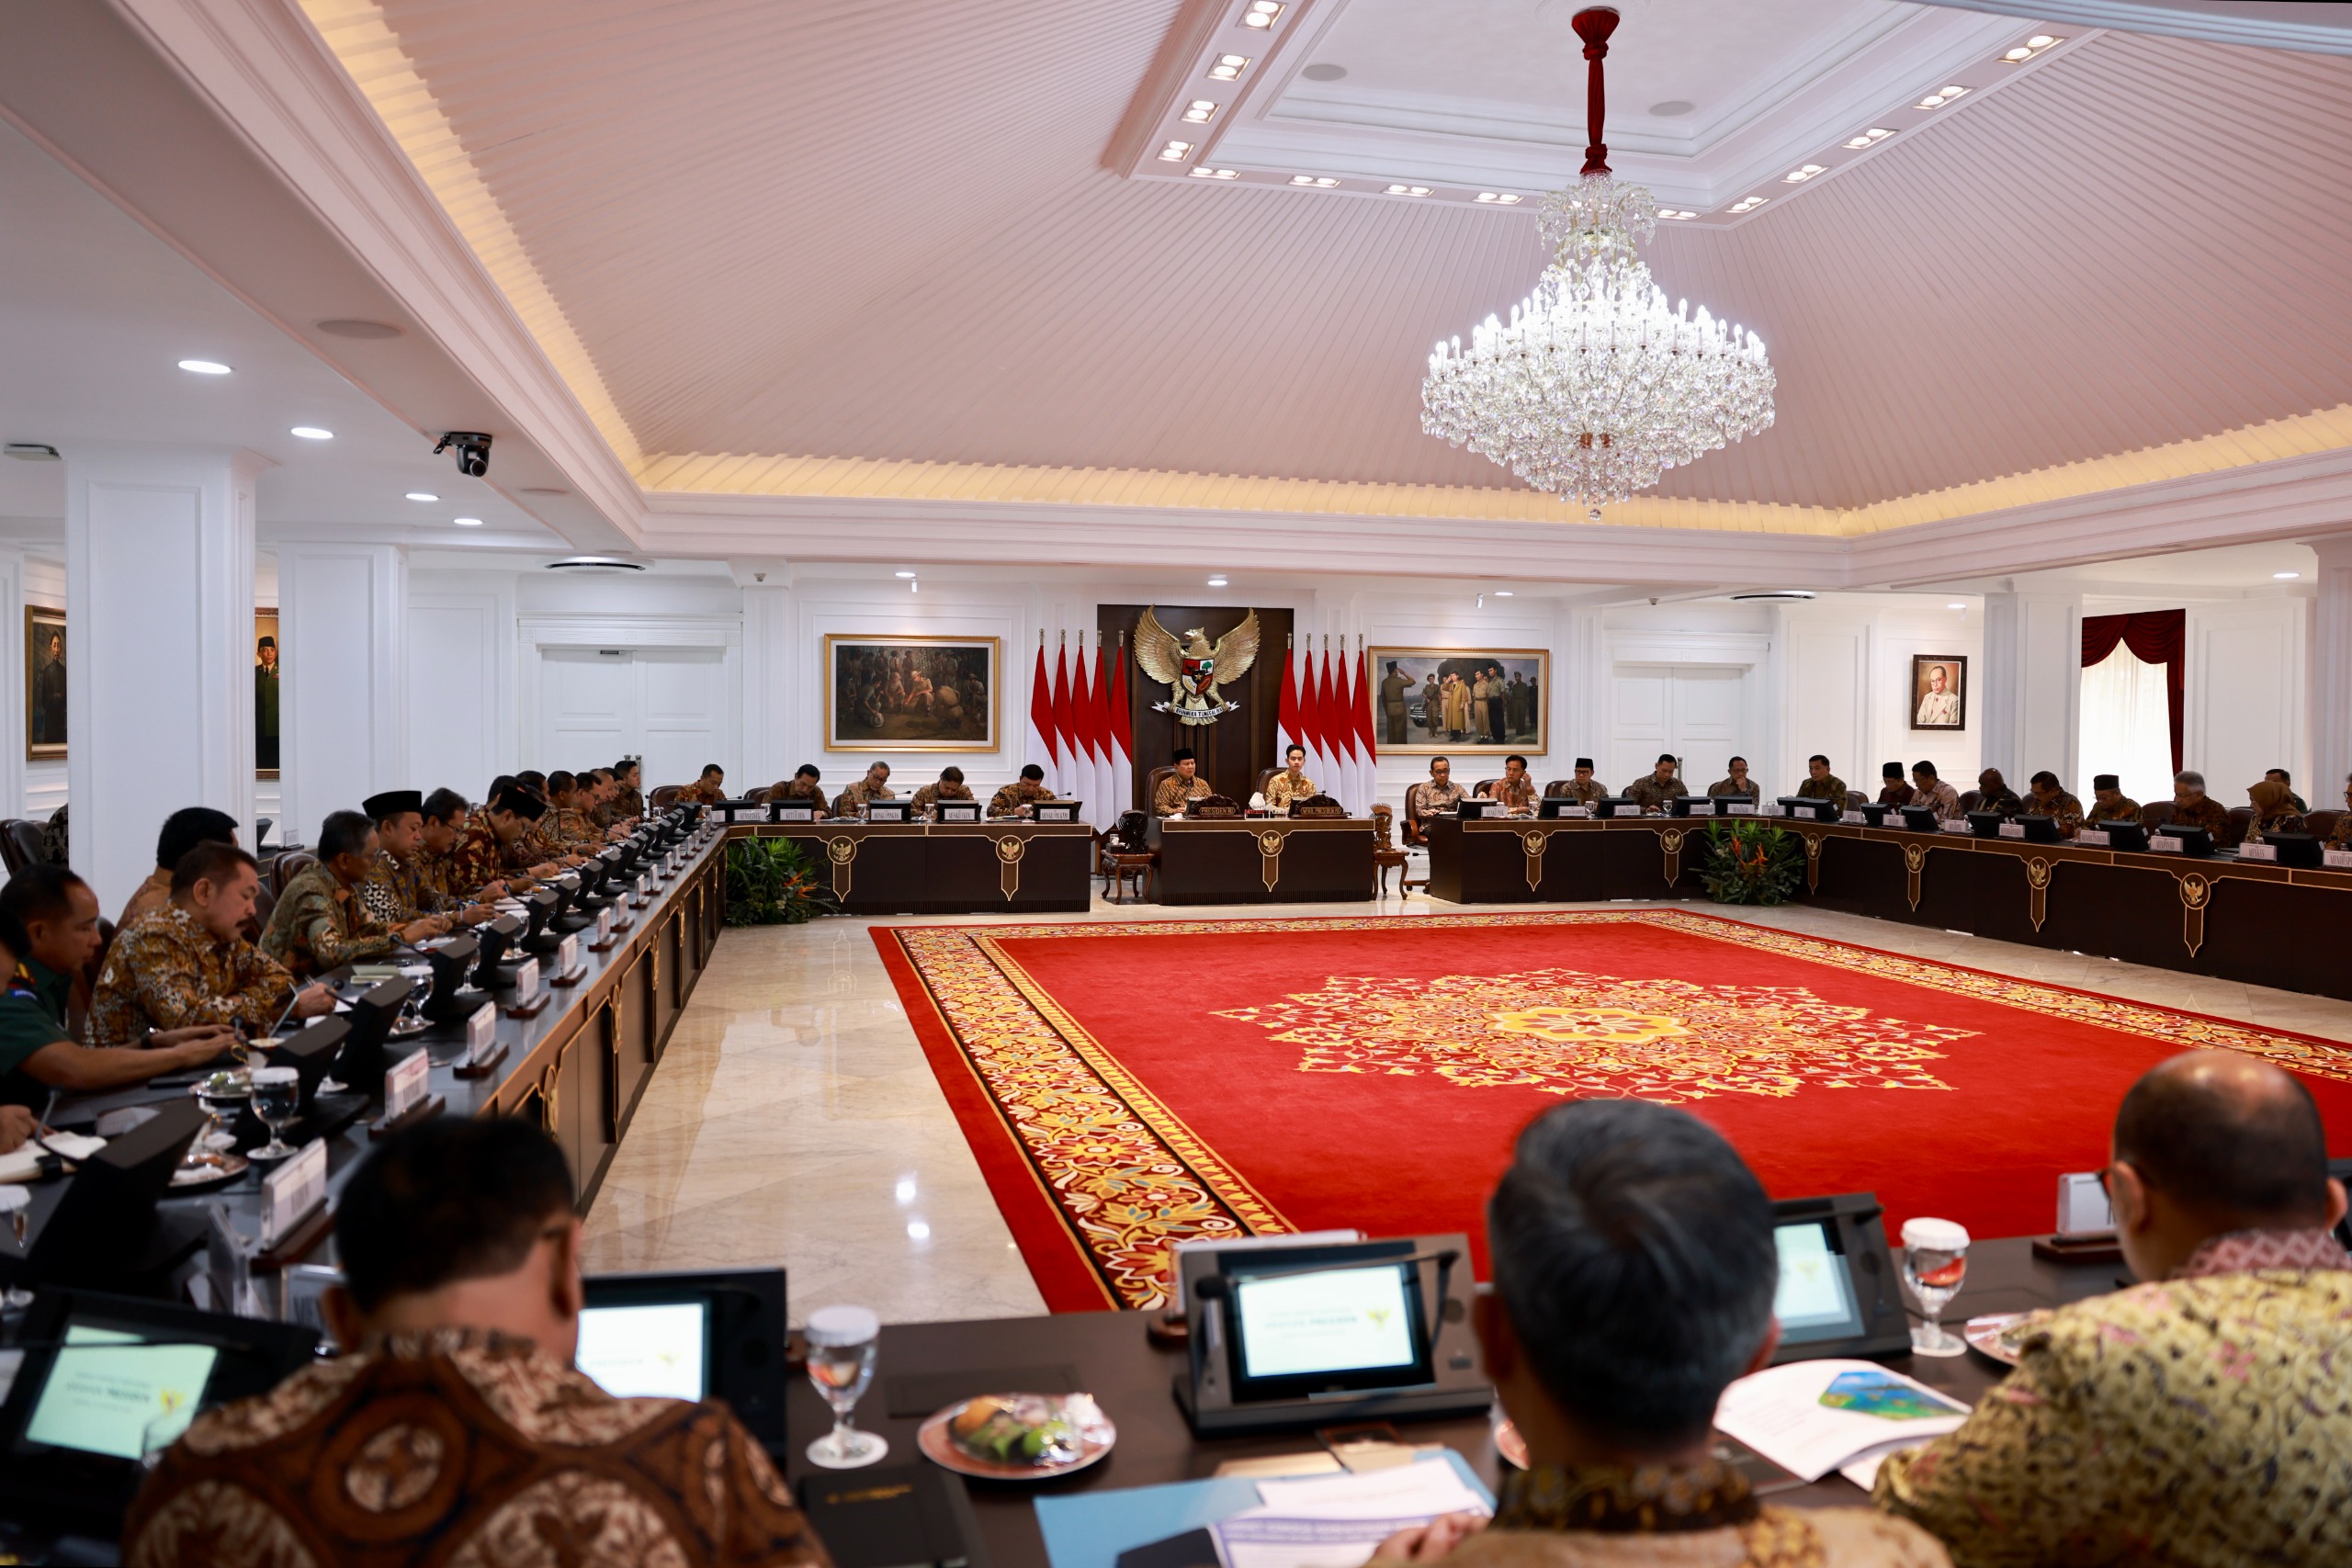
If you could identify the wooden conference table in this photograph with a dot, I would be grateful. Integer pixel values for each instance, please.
(947, 868)
(2247, 920)
(1106, 1354)
(1263, 860)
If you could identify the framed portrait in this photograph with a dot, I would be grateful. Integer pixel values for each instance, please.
(1938, 691)
(1481, 701)
(44, 682)
(912, 693)
(267, 671)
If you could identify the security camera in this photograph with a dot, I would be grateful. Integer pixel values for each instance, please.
(473, 451)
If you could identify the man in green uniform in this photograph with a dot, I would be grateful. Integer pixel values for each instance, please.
(1393, 687)
(36, 1056)
(319, 922)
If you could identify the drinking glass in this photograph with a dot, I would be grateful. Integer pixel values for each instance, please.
(220, 1108)
(841, 1363)
(277, 1097)
(17, 1203)
(1934, 1261)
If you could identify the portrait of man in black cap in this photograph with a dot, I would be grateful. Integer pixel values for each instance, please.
(266, 675)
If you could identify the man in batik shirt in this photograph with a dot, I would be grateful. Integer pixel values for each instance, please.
(1934, 792)
(188, 963)
(1584, 789)
(1290, 784)
(400, 887)
(495, 850)
(320, 921)
(2047, 799)
(950, 787)
(2199, 1418)
(1820, 784)
(628, 800)
(1024, 792)
(2109, 803)
(1433, 795)
(875, 785)
(709, 789)
(2192, 807)
(1652, 791)
(805, 787)
(1514, 789)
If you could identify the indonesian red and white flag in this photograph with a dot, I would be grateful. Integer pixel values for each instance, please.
(1072, 777)
(1042, 748)
(1346, 783)
(1286, 731)
(1118, 749)
(1365, 745)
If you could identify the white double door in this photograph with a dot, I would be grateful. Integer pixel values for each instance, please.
(1699, 712)
(669, 705)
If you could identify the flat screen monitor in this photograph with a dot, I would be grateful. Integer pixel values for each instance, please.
(2302, 851)
(1556, 806)
(1304, 1320)
(2130, 836)
(1987, 824)
(494, 939)
(311, 1053)
(1815, 1297)
(2193, 841)
(1922, 818)
(104, 1231)
(719, 1335)
(363, 1060)
(1838, 1293)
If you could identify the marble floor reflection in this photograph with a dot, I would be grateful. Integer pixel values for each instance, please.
(794, 1121)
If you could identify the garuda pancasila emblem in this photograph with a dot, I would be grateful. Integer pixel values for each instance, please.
(1194, 669)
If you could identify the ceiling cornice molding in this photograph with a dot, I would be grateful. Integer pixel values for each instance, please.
(2312, 30)
(273, 78)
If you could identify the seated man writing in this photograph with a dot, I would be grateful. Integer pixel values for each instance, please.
(1934, 792)
(454, 1427)
(36, 1056)
(950, 786)
(1892, 791)
(1514, 789)
(1654, 789)
(494, 854)
(188, 962)
(2192, 807)
(875, 785)
(1634, 1270)
(1015, 799)
(2108, 803)
(1435, 794)
(1185, 783)
(1584, 789)
(402, 885)
(1290, 784)
(2197, 1417)
(805, 787)
(320, 923)
(2047, 798)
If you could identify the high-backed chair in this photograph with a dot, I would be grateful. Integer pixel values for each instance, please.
(1483, 785)
(1151, 783)
(1265, 777)
(285, 868)
(1969, 799)
(2323, 823)
(1125, 854)
(664, 796)
(2240, 820)
(1384, 852)
(2156, 814)
(1556, 788)
(1856, 800)
(19, 843)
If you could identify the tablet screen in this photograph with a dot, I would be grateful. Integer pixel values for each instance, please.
(116, 1393)
(1815, 1299)
(1340, 1320)
(660, 1349)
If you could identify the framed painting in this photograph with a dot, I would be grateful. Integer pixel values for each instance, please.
(1462, 701)
(267, 671)
(912, 693)
(44, 682)
(1938, 691)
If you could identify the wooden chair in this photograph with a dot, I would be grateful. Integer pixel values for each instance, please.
(1384, 854)
(1125, 852)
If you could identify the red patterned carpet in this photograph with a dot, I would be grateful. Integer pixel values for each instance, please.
(1131, 1084)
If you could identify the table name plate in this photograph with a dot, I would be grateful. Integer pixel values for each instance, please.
(404, 1084)
(1857, 818)
(795, 814)
(526, 982)
(2164, 844)
(1576, 811)
(1743, 808)
(481, 1031)
(2336, 860)
(567, 954)
(2013, 829)
(2258, 852)
(1957, 827)
(2093, 838)
(292, 1190)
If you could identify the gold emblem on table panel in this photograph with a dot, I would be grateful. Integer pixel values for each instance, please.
(1914, 859)
(1009, 850)
(1270, 856)
(841, 851)
(2037, 880)
(1812, 860)
(612, 1091)
(2196, 893)
(1534, 843)
(1569, 1033)
(1669, 843)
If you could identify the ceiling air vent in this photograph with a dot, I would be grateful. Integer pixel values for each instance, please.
(1770, 594)
(608, 565)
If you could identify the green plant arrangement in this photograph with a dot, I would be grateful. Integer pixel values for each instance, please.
(771, 882)
(1751, 862)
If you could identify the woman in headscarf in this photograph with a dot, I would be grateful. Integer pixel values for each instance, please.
(2274, 811)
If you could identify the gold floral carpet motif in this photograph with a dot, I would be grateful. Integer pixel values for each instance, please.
(1569, 1033)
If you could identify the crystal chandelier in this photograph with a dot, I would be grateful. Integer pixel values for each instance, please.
(1595, 388)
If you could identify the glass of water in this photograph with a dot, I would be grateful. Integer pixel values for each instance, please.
(841, 1363)
(1934, 1261)
(276, 1098)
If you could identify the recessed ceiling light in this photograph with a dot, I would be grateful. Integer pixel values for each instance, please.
(1749, 204)
(1229, 67)
(1175, 152)
(2286, 576)
(1261, 13)
(312, 432)
(467, 522)
(1870, 138)
(1798, 177)
(1321, 182)
(2042, 40)
(1675, 212)
(903, 575)
(1937, 100)
(1216, 582)
(1500, 198)
(1206, 173)
(205, 367)
(1956, 604)
(543, 490)
(422, 495)
(1199, 110)
(1408, 190)
(1505, 592)
(2036, 44)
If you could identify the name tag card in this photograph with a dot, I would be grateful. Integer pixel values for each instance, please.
(1956, 828)
(1576, 811)
(795, 814)
(1742, 808)
(1856, 817)
(404, 1085)
(2164, 844)
(481, 1031)
(2258, 852)
(526, 982)
(567, 954)
(2013, 829)
(290, 1192)
(604, 924)
(2095, 838)
(2336, 860)
(644, 886)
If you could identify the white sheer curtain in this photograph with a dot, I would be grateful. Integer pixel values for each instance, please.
(2127, 728)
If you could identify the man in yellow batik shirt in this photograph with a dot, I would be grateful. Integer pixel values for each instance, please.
(1291, 784)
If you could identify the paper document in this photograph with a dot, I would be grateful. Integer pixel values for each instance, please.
(24, 1164)
(1336, 1521)
(1809, 1418)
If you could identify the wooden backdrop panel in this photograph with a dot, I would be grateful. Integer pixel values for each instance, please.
(1234, 748)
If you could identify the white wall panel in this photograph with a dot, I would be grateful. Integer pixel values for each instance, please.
(2244, 702)
(343, 628)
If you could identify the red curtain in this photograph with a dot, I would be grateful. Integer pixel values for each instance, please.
(2155, 636)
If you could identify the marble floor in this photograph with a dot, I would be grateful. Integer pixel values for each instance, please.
(794, 1119)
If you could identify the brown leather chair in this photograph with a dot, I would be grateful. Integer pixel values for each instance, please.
(1969, 799)
(264, 902)
(2156, 814)
(285, 868)
(664, 796)
(1265, 777)
(1856, 800)
(1483, 785)
(19, 843)
(2322, 823)
(1384, 852)
(2240, 820)
(1151, 783)
(1556, 788)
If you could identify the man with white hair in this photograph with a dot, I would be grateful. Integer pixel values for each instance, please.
(2192, 807)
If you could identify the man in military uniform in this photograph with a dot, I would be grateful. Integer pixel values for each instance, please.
(2047, 799)
(1014, 798)
(1584, 789)
(1393, 687)
(1654, 789)
(494, 852)
(1894, 791)
(1185, 783)
(629, 801)
(2109, 803)
(1734, 780)
(2284, 777)
(320, 921)
(1933, 792)
(709, 789)
(1994, 794)
(950, 786)
(187, 964)
(397, 888)
(1514, 789)
(1435, 794)
(805, 787)
(1820, 784)
(1291, 784)
(875, 785)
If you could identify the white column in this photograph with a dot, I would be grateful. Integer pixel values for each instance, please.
(1580, 695)
(2029, 691)
(768, 742)
(12, 681)
(343, 702)
(159, 605)
(2331, 687)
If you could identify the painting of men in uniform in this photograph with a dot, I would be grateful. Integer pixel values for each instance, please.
(910, 694)
(1457, 700)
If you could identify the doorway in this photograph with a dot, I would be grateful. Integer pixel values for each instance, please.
(668, 706)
